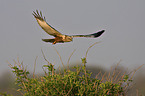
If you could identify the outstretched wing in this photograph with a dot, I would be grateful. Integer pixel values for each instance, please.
(94, 35)
(44, 25)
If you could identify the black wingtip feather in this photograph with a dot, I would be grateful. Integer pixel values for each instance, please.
(98, 33)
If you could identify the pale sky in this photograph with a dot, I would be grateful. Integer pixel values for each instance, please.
(123, 20)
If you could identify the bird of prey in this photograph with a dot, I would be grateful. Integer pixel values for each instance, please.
(59, 38)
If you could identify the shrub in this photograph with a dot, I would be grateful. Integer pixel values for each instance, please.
(69, 83)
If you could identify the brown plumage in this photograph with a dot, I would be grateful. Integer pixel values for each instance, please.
(59, 38)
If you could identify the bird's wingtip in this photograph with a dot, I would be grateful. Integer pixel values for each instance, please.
(98, 33)
(102, 31)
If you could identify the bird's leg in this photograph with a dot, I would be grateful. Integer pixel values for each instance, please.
(54, 42)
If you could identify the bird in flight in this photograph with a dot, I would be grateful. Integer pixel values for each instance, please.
(59, 38)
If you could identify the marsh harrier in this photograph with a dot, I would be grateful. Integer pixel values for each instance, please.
(59, 38)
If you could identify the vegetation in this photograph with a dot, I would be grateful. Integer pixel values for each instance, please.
(77, 82)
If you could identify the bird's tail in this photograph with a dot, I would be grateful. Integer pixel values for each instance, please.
(48, 40)
(53, 41)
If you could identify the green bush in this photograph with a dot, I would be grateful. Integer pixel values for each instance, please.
(63, 84)
(70, 83)
(67, 83)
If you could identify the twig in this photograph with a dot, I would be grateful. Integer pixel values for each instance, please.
(44, 71)
(91, 47)
(98, 75)
(103, 77)
(18, 91)
(115, 71)
(45, 57)
(84, 62)
(69, 59)
(136, 70)
(59, 57)
(34, 67)
(69, 91)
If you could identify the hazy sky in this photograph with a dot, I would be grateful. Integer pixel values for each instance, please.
(123, 20)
